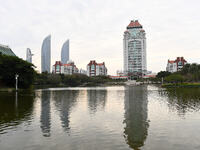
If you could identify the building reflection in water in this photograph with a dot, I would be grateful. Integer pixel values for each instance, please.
(136, 123)
(45, 118)
(96, 100)
(64, 102)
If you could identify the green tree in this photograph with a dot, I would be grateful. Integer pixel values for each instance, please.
(10, 66)
(174, 78)
(163, 74)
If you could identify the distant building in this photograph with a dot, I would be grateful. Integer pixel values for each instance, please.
(69, 68)
(6, 50)
(120, 73)
(29, 55)
(82, 71)
(119, 77)
(150, 74)
(65, 52)
(175, 65)
(134, 47)
(96, 69)
(58, 68)
(46, 55)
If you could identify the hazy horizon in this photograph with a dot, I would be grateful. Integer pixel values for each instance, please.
(95, 29)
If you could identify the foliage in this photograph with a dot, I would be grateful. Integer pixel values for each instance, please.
(70, 80)
(12, 65)
(174, 78)
(163, 74)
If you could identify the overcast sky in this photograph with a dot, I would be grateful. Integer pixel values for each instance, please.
(95, 29)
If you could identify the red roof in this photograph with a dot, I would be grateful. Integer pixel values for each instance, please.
(134, 24)
(171, 61)
(101, 64)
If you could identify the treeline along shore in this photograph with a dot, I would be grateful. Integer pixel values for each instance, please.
(189, 76)
(29, 78)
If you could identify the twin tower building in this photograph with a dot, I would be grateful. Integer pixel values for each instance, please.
(46, 54)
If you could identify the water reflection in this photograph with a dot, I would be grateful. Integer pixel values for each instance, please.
(136, 124)
(45, 117)
(15, 108)
(96, 100)
(183, 99)
(64, 102)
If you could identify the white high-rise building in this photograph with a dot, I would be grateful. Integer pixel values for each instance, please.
(46, 55)
(135, 49)
(29, 55)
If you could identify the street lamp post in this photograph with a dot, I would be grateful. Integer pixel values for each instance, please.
(16, 77)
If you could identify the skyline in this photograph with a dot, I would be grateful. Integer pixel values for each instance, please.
(96, 29)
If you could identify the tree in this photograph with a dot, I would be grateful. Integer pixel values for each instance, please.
(163, 74)
(174, 78)
(12, 65)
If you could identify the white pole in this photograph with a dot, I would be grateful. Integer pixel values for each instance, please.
(16, 77)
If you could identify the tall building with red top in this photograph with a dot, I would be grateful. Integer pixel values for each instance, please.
(134, 49)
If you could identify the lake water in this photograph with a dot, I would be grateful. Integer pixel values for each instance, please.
(101, 118)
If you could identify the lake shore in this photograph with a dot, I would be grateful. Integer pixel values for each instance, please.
(181, 85)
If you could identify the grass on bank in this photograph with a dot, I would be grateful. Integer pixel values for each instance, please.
(189, 85)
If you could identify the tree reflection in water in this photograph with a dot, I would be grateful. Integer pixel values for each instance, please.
(182, 99)
(15, 109)
(136, 124)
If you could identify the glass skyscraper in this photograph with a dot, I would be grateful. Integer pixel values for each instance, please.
(65, 52)
(46, 55)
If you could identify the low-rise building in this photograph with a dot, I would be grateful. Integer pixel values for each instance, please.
(175, 65)
(119, 77)
(120, 73)
(96, 69)
(58, 68)
(69, 68)
(6, 50)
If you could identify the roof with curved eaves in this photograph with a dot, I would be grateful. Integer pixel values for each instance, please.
(134, 24)
(6, 50)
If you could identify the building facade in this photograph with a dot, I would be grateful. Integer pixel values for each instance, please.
(134, 49)
(69, 68)
(65, 52)
(6, 50)
(29, 55)
(175, 65)
(96, 69)
(46, 55)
